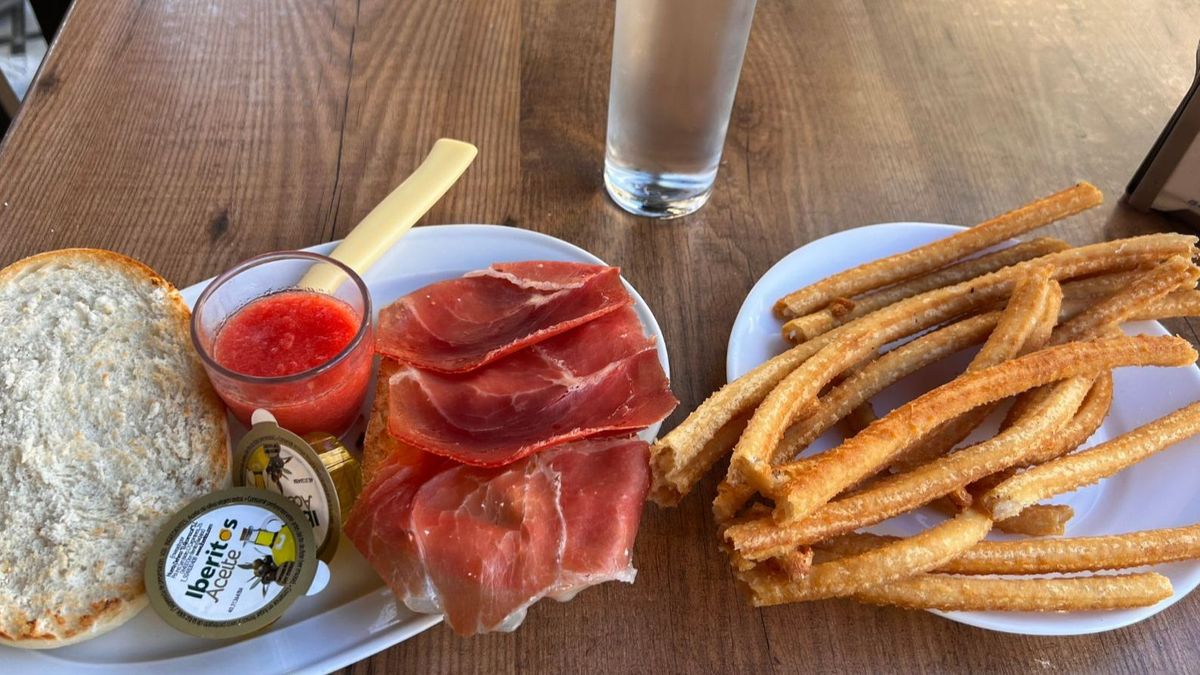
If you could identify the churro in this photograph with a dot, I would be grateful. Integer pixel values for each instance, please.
(1024, 327)
(832, 471)
(763, 538)
(1039, 520)
(880, 374)
(678, 460)
(841, 310)
(896, 559)
(1141, 292)
(930, 257)
(1084, 468)
(1177, 304)
(1050, 556)
(856, 339)
(1074, 594)
(788, 523)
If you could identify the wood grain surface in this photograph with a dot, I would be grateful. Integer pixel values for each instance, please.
(192, 134)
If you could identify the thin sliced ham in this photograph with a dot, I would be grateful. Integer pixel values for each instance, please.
(602, 378)
(483, 544)
(461, 324)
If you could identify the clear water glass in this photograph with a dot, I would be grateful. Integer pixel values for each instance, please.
(675, 70)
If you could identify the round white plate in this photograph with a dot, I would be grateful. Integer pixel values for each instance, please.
(355, 616)
(1158, 492)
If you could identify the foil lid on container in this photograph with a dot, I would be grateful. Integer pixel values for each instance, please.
(230, 563)
(274, 459)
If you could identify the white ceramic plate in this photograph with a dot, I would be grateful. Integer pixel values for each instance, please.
(1159, 492)
(355, 616)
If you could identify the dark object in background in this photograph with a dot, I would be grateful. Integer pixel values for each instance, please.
(50, 15)
(15, 9)
(8, 104)
(1169, 178)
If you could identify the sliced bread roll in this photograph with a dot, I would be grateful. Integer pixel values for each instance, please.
(108, 425)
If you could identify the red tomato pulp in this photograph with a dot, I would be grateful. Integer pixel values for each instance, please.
(289, 333)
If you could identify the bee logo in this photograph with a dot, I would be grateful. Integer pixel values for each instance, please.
(267, 464)
(277, 466)
(267, 571)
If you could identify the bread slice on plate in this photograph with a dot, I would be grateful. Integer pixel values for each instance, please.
(108, 425)
(378, 444)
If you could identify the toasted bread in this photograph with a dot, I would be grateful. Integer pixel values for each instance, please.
(378, 444)
(108, 425)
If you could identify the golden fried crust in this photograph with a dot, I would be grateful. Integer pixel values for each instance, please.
(866, 453)
(1084, 468)
(955, 593)
(926, 258)
(809, 326)
(893, 560)
(679, 459)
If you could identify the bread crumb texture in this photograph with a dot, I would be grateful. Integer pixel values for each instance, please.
(107, 427)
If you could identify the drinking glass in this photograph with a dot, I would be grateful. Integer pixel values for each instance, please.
(327, 397)
(675, 70)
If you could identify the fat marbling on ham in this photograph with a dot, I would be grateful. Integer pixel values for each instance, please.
(461, 324)
(482, 544)
(601, 378)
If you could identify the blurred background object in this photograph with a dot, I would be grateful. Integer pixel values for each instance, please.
(22, 46)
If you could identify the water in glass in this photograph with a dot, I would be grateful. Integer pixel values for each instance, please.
(674, 74)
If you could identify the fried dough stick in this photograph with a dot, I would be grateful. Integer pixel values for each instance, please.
(1039, 443)
(762, 538)
(1177, 304)
(1039, 520)
(1142, 292)
(1034, 301)
(876, 376)
(937, 254)
(1099, 287)
(1051, 556)
(831, 472)
(679, 458)
(1024, 328)
(1084, 468)
(890, 561)
(857, 339)
(957, 593)
(811, 325)
(1104, 316)
(1032, 444)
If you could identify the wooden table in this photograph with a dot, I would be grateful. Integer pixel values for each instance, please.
(195, 134)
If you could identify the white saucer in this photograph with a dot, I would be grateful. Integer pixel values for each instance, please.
(1161, 491)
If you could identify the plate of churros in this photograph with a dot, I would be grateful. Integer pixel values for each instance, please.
(933, 417)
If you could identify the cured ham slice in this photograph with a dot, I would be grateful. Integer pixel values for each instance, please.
(461, 324)
(602, 378)
(483, 544)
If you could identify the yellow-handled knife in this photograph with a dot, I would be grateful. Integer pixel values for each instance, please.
(396, 214)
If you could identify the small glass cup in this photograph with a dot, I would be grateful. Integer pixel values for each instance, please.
(327, 397)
